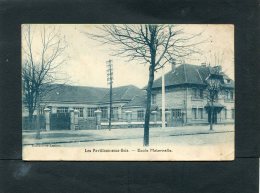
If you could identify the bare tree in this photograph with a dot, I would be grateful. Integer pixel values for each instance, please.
(150, 44)
(42, 54)
(213, 88)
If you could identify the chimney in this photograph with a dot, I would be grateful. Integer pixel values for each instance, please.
(218, 68)
(173, 63)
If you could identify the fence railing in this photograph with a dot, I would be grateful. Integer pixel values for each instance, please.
(62, 121)
(33, 124)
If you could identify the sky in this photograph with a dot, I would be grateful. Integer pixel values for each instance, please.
(86, 65)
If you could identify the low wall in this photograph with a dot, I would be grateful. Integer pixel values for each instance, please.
(87, 124)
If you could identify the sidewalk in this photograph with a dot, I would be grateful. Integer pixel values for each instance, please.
(68, 136)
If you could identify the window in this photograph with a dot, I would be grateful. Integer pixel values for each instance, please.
(176, 114)
(80, 109)
(41, 110)
(140, 114)
(225, 113)
(197, 93)
(200, 113)
(62, 110)
(153, 99)
(194, 113)
(115, 113)
(229, 95)
(201, 93)
(91, 112)
(194, 92)
(197, 113)
(103, 112)
(233, 113)
(166, 111)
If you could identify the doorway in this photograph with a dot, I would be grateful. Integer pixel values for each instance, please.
(177, 117)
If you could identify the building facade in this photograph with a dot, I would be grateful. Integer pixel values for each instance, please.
(186, 96)
(86, 100)
(186, 100)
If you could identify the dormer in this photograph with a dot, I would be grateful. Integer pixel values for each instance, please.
(227, 80)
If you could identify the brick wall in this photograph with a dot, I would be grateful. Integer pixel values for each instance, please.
(182, 98)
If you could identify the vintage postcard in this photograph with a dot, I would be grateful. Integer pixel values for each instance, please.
(128, 92)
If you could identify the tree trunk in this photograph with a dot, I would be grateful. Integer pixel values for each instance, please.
(148, 106)
(38, 132)
(30, 121)
(211, 117)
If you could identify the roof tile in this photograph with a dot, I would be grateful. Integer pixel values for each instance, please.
(187, 74)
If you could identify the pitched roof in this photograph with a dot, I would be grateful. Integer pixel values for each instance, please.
(123, 93)
(84, 94)
(68, 93)
(187, 74)
(137, 101)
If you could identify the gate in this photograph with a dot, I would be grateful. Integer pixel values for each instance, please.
(177, 117)
(60, 121)
(35, 124)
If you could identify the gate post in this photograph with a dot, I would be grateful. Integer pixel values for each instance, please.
(72, 126)
(47, 118)
(76, 119)
(98, 118)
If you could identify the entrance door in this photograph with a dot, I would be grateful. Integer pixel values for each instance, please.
(214, 121)
(177, 119)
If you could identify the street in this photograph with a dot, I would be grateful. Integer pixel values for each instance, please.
(187, 135)
(186, 140)
(170, 143)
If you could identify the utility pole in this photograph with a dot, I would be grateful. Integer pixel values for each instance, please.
(110, 82)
